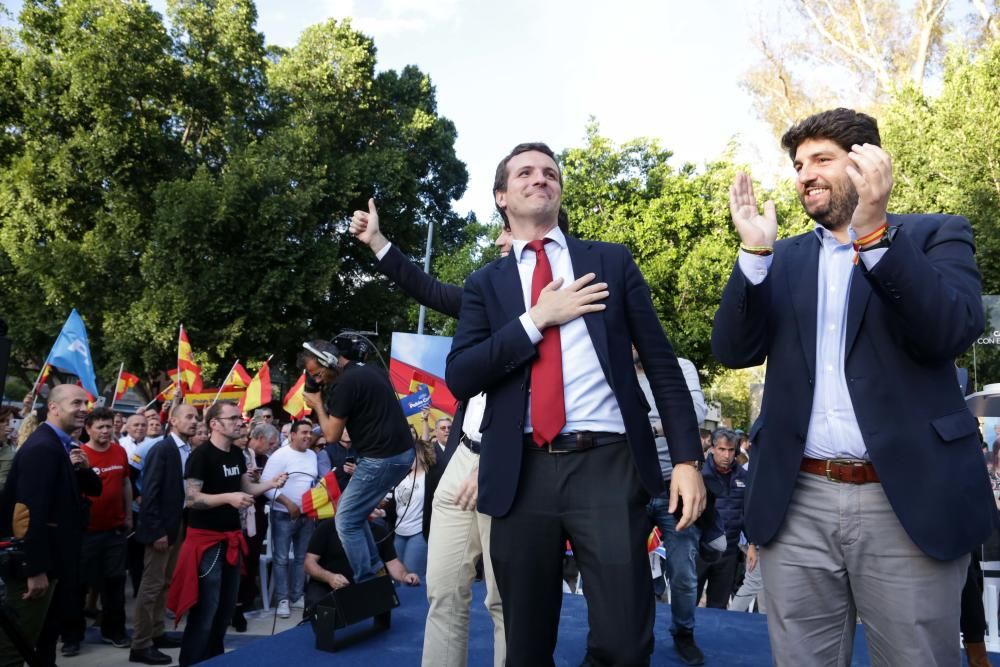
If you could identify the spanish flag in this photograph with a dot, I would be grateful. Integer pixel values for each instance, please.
(125, 382)
(258, 391)
(168, 393)
(295, 402)
(320, 502)
(190, 372)
(239, 377)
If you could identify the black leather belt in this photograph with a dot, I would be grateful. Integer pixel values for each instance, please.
(473, 445)
(579, 441)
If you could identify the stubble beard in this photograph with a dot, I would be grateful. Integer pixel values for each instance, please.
(840, 210)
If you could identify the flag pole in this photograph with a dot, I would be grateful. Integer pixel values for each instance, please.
(114, 396)
(180, 374)
(35, 387)
(222, 386)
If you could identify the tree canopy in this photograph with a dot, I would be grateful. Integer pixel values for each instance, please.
(153, 176)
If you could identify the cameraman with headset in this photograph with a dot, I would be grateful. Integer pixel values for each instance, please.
(344, 392)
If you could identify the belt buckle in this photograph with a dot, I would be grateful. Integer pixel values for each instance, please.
(841, 462)
(548, 446)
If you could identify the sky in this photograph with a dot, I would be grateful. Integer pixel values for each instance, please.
(515, 71)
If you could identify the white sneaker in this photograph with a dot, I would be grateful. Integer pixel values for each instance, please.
(283, 610)
(300, 603)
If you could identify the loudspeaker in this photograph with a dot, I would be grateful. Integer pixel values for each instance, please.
(4, 358)
(375, 599)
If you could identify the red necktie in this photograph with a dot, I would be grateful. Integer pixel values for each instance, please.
(548, 411)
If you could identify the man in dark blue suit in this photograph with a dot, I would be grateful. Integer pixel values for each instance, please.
(868, 490)
(567, 447)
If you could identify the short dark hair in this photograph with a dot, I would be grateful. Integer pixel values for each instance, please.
(500, 179)
(845, 127)
(214, 410)
(99, 415)
(300, 422)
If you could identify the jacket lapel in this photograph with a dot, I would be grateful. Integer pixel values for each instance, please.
(802, 276)
(857, 303)
(586, 259)
(507, 287)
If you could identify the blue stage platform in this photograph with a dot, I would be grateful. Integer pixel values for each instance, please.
(728, 638)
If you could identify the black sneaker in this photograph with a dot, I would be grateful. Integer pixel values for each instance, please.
(149, 656)
(687, 650)
(117, 642)
(69, 649)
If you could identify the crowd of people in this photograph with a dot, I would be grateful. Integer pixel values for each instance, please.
(577, 431)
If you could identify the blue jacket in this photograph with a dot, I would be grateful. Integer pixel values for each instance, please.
(908, 318)
(491, 352)
(728, 499)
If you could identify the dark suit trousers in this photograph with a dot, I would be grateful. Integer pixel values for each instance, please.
(595, 499)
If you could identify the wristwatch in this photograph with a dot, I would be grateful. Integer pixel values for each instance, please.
(698, 465)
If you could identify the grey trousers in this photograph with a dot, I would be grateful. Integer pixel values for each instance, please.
(842, 552)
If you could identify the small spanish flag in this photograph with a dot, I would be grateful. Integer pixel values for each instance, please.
(190, 372)
(320, 502)
(654, 540)
(168, 393)
(295, 401)
(125, 382)
(258, 391)
(239, 378)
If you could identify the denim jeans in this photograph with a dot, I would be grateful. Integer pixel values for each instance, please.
(289, 534)
(208, 620)
(412, 550)
(682, 550)
(372, 479)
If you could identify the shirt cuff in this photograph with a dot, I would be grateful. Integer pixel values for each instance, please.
(384, 251)
(534, 335)
(754, 267)
(872, 257)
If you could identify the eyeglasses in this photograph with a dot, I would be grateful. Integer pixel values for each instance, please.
(226, 419)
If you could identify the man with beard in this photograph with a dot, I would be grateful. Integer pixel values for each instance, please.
(868, 490)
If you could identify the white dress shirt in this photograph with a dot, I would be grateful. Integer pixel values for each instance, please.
(590, 403)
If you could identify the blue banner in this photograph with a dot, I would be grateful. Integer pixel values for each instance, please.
(416, 401)
(71, 353)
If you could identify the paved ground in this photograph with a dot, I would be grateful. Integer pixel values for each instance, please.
(94, 653)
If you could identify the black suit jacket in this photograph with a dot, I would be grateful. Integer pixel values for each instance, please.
(907, 320)
(43, 481)
(444, 298)
(491, 352)
(162, 506)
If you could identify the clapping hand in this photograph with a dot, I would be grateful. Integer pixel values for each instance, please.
(871, 175)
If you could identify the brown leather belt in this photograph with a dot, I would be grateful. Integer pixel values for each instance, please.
(850, 471)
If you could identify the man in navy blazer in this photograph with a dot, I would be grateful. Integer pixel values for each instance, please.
(868, 489)
(589, 479)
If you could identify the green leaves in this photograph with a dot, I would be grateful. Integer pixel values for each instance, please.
(150, 178)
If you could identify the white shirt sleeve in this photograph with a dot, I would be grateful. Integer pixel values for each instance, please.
(754, 267)
(384, 251)
(534, 335)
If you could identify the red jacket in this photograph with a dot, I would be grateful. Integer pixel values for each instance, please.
(183, 592)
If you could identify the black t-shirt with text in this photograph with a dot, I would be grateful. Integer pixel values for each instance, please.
(326, 544)
(220, 472)
(365, 398)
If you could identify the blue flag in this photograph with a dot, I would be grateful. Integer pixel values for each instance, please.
(71, 353)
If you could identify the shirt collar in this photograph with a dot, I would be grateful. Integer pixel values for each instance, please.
(64, 437)
(177, 439)
(555, 234)
(826, 236)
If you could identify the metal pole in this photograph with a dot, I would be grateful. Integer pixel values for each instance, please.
(427, 269)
